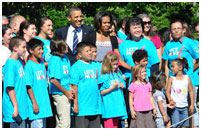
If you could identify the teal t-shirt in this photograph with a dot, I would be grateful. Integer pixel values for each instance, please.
(58, 68)
(86, 77)
(128, 47)
(36, 78)
(14, 76)
(196, 73)
(187, 49)
(46, 49)
(121, 35)
(113, 102)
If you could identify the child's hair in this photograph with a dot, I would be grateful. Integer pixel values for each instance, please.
(81, 46)
(158, 80)
(92, 45)
(138, 55)
(107, 63)
(16, 41)
(182, 61)
(136, 70)
(57, 46)
(33, 43)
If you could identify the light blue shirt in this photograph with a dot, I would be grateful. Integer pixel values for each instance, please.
(195, 82)
(128, 47)
(14, 76)
(59, 68)
(113, 102)
(46, 49)
(36, 78)
(121, 35)
(187, 49)
(86, 77)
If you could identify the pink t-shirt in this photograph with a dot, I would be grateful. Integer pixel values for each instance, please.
(157, 41)
(141, 94)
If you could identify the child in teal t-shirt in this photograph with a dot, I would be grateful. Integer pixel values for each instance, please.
(58, 72)
(85, 78)
(114, 106)
(15, 93)
(36, 82)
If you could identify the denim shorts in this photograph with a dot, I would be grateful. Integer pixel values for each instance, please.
(38, 123)
(179, 114)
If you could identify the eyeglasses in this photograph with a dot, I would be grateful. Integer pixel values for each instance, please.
(149, 22)
(174, 29)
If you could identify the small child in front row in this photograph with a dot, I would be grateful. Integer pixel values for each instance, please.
(114, 105)
(141, 101)
(85, 78)
(58, 72)
(15, 92)
(158, 81)
(37, 87)
(177, 91)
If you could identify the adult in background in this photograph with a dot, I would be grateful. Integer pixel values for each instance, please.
(147, 33)
(121, 33)
(5, 20)
(15, 22)
(45, 27)
(102, 39)
(73, 33)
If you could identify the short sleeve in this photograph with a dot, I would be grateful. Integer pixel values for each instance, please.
(157, 41)
(159, 97)
(193, 50)
(54, 68)
(165, 52)
(131, 87)
(28, 75)
(9, 74)
(105, 84)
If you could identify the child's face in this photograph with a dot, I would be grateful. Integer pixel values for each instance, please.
(94, 53)
(86, 53)
(174, 67)
(144, 61)
(37, 52)
(142, 74)
(114, 65)
(21, 49)
(65, 50)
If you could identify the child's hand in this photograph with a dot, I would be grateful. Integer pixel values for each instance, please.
(35, 108)
(75, 109)
(70, 94)
(124, 77)
(165, 119)
(15, 112)
(170, 106)
(191, 109)
(121, 85)
(172, 103)
(115, 84)
(133, 114)
(154, 112)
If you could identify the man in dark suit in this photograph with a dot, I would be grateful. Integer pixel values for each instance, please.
(73, 33)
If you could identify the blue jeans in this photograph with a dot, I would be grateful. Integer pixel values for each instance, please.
(177, 115)
(24, 124)
(196, 116)
(38, 123)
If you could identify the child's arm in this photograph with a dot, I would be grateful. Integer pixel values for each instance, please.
(12, 95)
(152, 103)
(133, 114)
(160, 106)
(191, 93)
(167, 92)
(68, 93)
(114, 85)
(33, 100)
(75, 106)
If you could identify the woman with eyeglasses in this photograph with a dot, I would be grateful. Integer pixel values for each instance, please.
(151, 35)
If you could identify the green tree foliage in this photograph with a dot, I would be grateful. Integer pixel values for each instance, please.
(161, 13)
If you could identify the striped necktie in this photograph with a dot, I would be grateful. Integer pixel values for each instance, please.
(75, 41)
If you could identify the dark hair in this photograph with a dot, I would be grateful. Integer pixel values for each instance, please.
(133, 21)
(158, 81)
(139, 54)
(24, 25)
(164, 34)
(182, 62)
(57, 46)
(15, 41)
(81, 46)
(98, 19)
(71, 10)
(125, 20)
(188, 32)
(41, 21)
(92, 45)
(33, 43)
(4, 29)
(175, 21)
